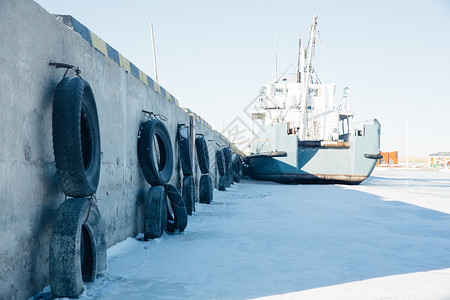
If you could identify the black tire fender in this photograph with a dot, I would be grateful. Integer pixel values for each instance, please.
(227, 158)
(220, 162)
(228, 178)
(188, 193)
(222, 183)
(155, 152)
(77, 247)
(206, 189)
(179, 218)
(202, 154)
(235, 167)
(184, 142)
(76, 137)
(154, 212)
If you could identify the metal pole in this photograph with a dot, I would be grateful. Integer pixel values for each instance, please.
(407, 146)
(298, 60)
(276, 55)
(306, 126)
(154, 52)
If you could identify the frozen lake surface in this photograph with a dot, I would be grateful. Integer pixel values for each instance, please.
(388, 238)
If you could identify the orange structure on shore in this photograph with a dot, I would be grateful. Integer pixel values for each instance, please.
(389, 159)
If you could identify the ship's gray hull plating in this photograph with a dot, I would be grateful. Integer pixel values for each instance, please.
(315, 165)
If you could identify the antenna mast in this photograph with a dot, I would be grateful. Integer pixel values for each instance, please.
(154, 52)
(306, 127)
(298, 60)
(276, 55)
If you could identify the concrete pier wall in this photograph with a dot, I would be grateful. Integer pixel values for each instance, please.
(30, 192)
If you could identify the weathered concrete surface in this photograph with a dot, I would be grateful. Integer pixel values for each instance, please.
(29, 189)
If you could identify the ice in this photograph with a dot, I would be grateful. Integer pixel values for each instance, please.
(388, 238)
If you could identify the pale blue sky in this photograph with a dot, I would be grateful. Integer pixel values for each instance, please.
(214, 55)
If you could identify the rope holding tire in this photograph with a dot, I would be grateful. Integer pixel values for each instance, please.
(202, 154)
(76, 137)
(185, 150)
(155, 152)
(220, 162)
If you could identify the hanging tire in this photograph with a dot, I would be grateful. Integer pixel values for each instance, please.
(228, 179)
(235, 168)
(77, 247)
(206, 189)
(176, 210)
(185, 151)
(188, 193)
(240, 166)
(227, 157)
(155, 152)
(76, 137)
(202, 154)
(154, 212)
(245, 169)
(222, 183)
(220, 162)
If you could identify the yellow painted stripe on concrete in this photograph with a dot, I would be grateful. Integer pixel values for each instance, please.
(197, 118)
(124, 63)
(99, 44)
(143, 77)
(156, 87)
(176, 102)
(168, 96)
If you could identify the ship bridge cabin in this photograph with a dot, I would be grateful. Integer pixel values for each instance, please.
(320, 117)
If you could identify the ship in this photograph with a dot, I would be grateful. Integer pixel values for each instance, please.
(307, 134)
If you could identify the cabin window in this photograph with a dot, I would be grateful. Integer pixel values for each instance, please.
(344, 126)
(278, 91)
(314, 92)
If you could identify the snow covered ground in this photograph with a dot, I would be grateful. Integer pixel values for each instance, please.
(388, 238)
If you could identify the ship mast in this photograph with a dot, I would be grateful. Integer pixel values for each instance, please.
(298, 60)
(306, 80)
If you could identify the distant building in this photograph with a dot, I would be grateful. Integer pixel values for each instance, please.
(389, 159)
(441, 159)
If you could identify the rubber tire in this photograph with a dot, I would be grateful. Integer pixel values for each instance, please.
(70, 237)
(220, 162)
(153, 173)
(222, 183)
(228, 179)
(228, 163)
(240, 166)
(202, 154)
(179, 210)
(206, 189)
(185, 151)
(227, 157)
(188, 193)
(76, 137)
(235, 168)
(154, 211)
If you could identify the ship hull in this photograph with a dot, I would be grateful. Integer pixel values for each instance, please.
(316, 165)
